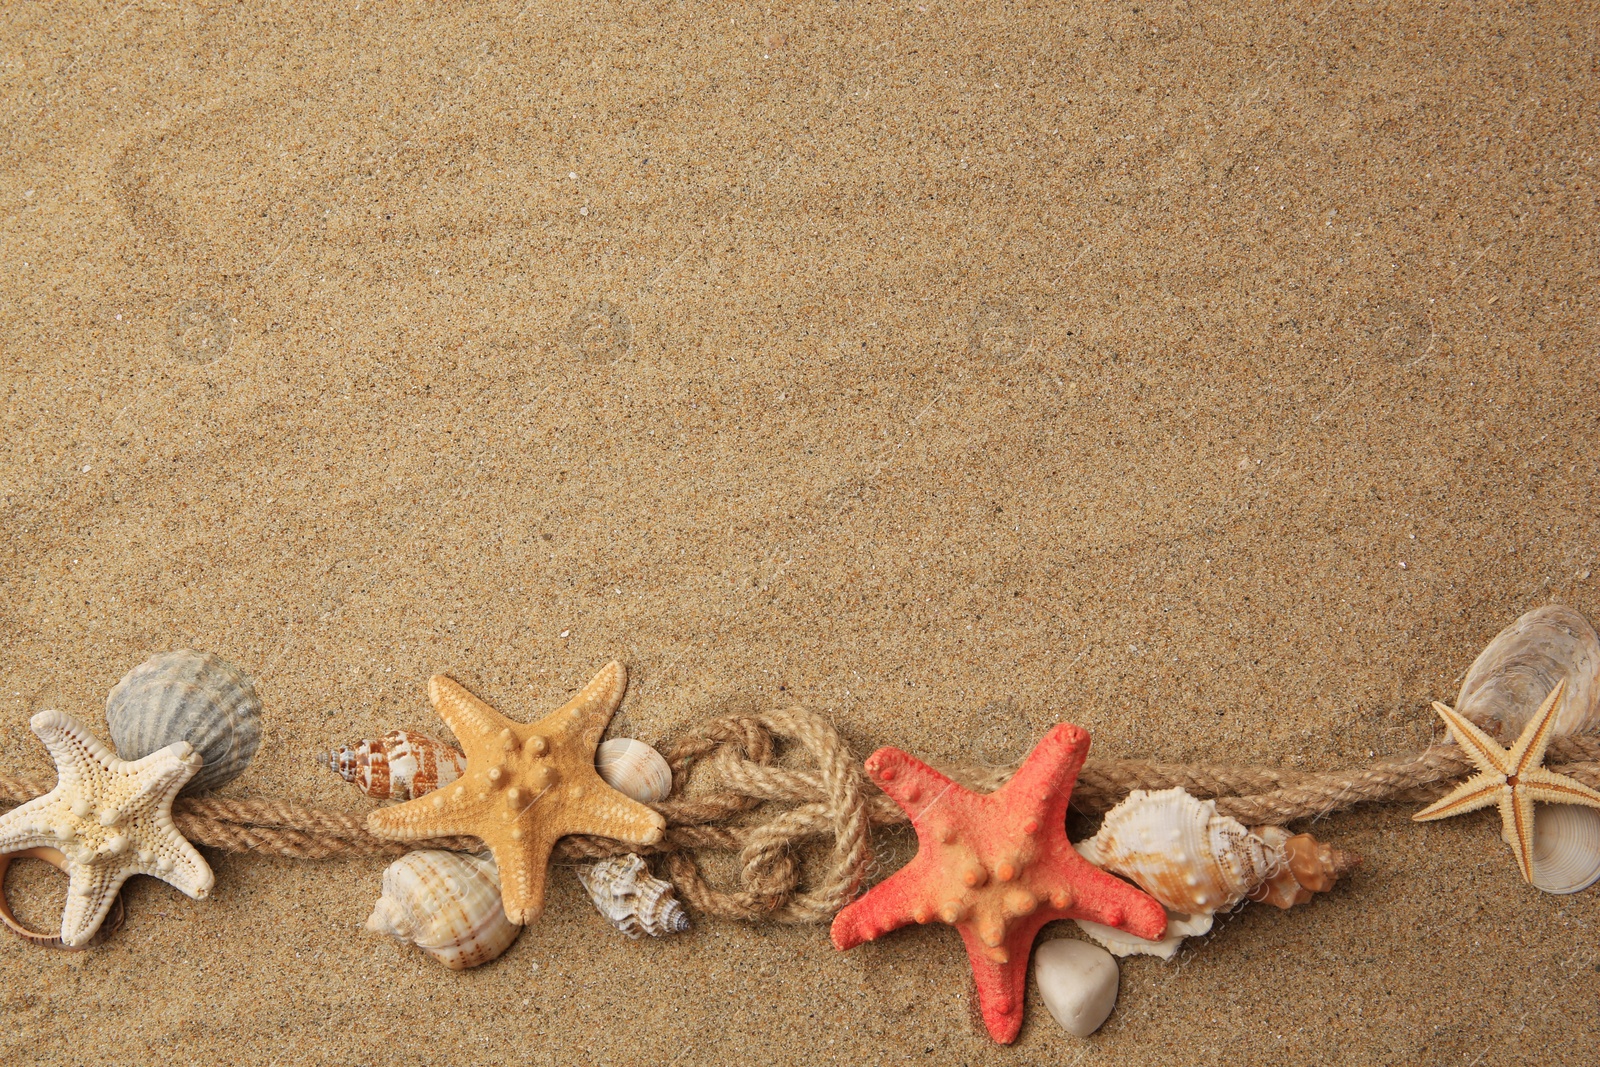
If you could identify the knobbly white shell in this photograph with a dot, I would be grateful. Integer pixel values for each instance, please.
(400, 765)
(1180, 851)
(634, 769)
(447, 904)
(1502, 690)
(188, 696)
(1122, 943)
(1516, 671)
(1078, 982)
(631, 899)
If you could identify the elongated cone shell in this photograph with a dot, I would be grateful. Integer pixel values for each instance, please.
(1502, 691)
(632, 900)
(188, 696)
(1307, 866)
(634, 769)
(400, 765)
(447, 904)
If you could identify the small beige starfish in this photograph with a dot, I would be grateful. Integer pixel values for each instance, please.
(1513, 779)
(109, 818)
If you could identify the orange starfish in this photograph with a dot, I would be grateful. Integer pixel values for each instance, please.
(526, 785)
(997, 867)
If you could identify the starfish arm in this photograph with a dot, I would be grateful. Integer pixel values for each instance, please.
(1001, 985)
(91, 889)
(522, 877)
(30, 825)
(1480, 791)
(887, 906)
(618, 817)
(163, 772)
(910, 783)
(70, 744)
(1047, 776)
(1103, 898)
(469, 718)
(1535, 737)
(1516, 828)
(588, 713)
(1479, 746)
(1553, 788)
(426, 817)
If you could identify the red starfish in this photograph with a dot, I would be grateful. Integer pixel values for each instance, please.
(997, 867)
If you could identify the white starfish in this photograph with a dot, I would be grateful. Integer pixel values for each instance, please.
(110, 818)
(1513, 779)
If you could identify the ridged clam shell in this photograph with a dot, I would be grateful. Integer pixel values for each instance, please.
(447, 904)
(632, 900)
(188, 696)
(1516, 671)
(400, 765)
(1566, 848)
(634, 769)
(1180, 851)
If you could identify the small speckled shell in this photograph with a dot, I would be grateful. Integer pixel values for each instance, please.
(400, 765)
(447, 904)
(188, 696)
(631, 899)
(634, 769)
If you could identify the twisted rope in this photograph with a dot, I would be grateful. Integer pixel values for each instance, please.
(829, 798)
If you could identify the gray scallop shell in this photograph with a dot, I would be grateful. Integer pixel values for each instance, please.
(188, 696)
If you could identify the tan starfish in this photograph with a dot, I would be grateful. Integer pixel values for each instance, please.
(1511, 779)
(109, 818)
(526, 785)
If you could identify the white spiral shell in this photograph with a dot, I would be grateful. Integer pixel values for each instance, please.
(632, 900)
(447, 904)
(188, 696)
(634, 769)
(1180, 851)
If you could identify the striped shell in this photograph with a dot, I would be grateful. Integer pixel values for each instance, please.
(634, 769)
(400, 765)
(188, 696)
(1502, 690)
(1516, 671)
(447, 904)
(632, 900)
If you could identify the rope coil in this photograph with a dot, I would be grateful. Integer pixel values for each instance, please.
(734, 758)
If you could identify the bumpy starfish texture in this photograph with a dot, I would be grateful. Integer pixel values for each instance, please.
(109, 818)
(1511, 780)
(997, 867)
(526, 785)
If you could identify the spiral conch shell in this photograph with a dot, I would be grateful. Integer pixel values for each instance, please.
(1197, 862)
(188, 696)
(447, 904)
(1505, 686)
(400, 765)
(632, 900)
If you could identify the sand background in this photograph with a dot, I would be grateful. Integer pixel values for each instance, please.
(1220, 377)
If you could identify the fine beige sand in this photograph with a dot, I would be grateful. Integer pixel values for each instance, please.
(1220, 377)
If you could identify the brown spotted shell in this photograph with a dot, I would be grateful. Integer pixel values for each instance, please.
(400, 765)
